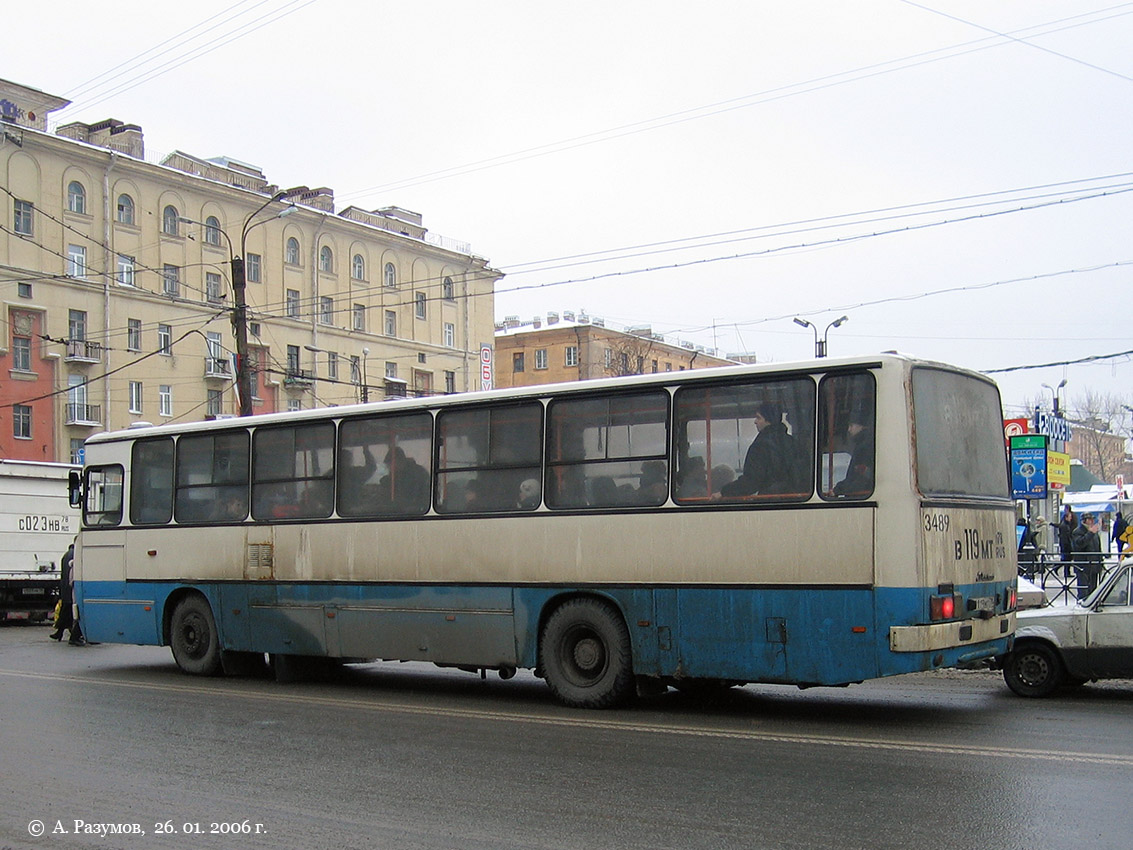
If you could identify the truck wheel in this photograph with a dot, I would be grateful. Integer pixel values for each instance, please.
(1033, 670)
(585, 654)
(193, 637)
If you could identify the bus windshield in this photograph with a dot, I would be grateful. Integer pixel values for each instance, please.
(960, 449)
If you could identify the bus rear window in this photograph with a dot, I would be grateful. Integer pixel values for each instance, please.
(959, 429)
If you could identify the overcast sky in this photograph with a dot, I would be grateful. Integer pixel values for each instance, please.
(954, 176)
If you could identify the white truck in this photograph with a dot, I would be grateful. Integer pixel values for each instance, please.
(37, 524)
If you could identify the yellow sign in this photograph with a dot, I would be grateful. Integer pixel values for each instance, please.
(1058, 468)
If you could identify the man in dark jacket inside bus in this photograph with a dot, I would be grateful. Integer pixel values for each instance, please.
(771, 464)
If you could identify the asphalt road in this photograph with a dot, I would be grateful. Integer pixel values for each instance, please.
(408, 756)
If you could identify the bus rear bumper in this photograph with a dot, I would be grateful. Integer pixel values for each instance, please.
(950, 635)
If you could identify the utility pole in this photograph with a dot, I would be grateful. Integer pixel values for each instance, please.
(240, 332)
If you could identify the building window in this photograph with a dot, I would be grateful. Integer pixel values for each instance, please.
(326, 310)
(125, 270)
(77, 447)
(134, 334)
(450, 382)
(293, 303)
(358, 312)
(326, 259)
(77, 325)
(76, 261)
(217, 364)
(294, 404)
(254, 328)
(21, 421)
(355, 369)
(215, 405)
(165, 400)
(540, 358)
(22, 219)
(653, 367)
(170, 221)
(571, 355)
(292, 360)
(332, 365)
(450, 335)
(517, 361)
(358, 267)
(21, 353)
(212, 230)
(212, 287)
(419, 305)
(165, 339)
(391, 276)
(135, 396)
(171, 280)
(291, 253)
(23, 289)
(125, 209)
(391, 323)
(77, 198)
(448, 290)
(391, 369)
(252, 268)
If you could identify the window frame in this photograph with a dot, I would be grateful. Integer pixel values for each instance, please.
(76, 198)
(125, 212)
(23, 217)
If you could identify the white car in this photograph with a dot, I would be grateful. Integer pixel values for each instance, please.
(1057, 645)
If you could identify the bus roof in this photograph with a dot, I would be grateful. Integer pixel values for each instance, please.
(536, 391)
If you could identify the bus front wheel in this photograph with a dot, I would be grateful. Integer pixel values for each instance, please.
(585, 655)
(193, 638)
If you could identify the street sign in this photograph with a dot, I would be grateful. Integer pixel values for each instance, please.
(1028, 466)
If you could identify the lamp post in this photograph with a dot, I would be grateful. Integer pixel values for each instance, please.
(1054, 394)
(365, 386)
(820, 343)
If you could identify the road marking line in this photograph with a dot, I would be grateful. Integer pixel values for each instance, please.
(589, 722)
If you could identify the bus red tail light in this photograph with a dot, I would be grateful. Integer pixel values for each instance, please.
(1012, 599)
(944, 607)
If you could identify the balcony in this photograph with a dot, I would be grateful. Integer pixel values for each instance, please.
(83, 351)
(219, 368)
(83, 414)
(298, 378)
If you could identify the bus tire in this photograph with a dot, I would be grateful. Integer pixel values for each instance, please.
(585, 655)
(1033, 670)
(193, 637)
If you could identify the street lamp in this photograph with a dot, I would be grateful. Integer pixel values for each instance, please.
(365, 386)
(1054, 393)
(820, 344)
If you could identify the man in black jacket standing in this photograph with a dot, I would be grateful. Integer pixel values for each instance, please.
(1087, 555)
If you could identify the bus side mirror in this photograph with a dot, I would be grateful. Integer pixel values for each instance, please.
(75, 488)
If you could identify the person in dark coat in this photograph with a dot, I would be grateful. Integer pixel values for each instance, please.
(1066, 527)
(859, 474)
(67, 622)
(1087, 555)
(770, 465)
(1117, 533)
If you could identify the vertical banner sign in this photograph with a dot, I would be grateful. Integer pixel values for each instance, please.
(1028, 466)
(487, 379)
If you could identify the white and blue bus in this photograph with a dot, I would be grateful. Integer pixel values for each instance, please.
(817, 523)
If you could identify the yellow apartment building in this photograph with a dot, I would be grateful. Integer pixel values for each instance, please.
(116, 277)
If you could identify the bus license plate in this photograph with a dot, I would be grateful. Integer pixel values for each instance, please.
(33, 591)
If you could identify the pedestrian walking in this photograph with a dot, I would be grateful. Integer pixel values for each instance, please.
(1087, 555)
(67, 621)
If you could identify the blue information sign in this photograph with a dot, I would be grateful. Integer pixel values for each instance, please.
(1028, 468)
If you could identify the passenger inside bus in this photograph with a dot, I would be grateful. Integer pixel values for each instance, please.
(406, 484)
(859, 474)
(771, 463)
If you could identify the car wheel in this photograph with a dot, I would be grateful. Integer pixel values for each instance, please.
(1033, 670)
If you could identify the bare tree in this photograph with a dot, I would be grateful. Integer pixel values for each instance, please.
(628, 355)
(1101, 431)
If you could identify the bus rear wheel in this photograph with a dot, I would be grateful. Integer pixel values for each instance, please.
(585, 655)
(193, 638)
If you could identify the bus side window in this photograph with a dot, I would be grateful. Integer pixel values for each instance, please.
(104, 496)
(292, 473)
(484, 456)
(608, 451)
(384, 465)
(212, 470)
(847, 428)
(750, 442)
(151, 482)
